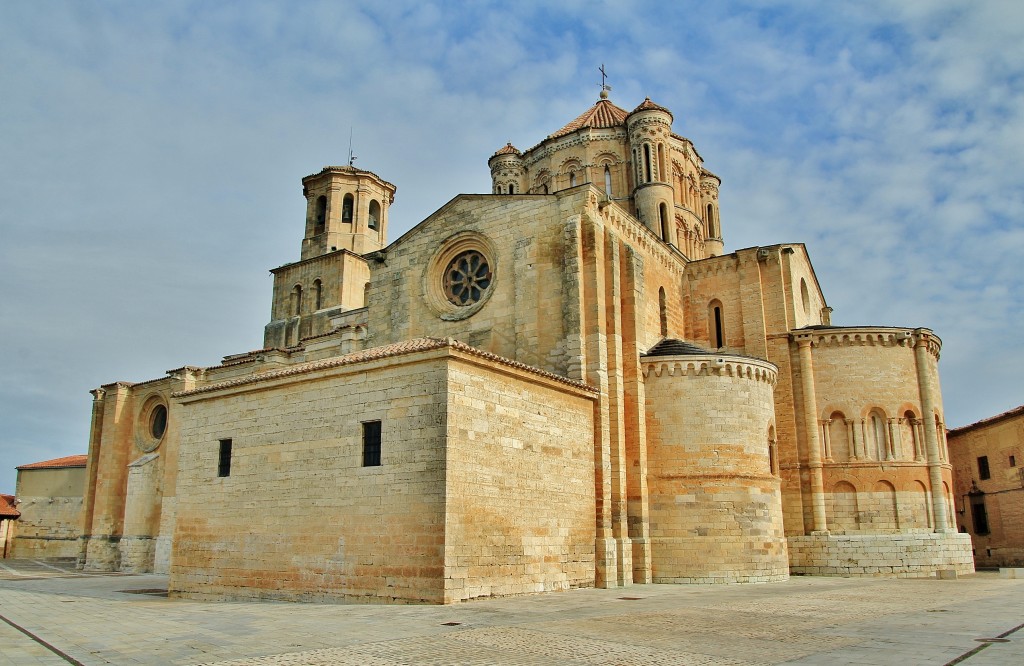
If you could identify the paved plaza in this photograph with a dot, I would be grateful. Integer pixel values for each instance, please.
(52, 614)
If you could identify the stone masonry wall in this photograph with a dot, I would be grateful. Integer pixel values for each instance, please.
(524, 317)
(520, 485)
(51, 512)
(900, 555)
(300, 517)
(48, 527)
(716, 512)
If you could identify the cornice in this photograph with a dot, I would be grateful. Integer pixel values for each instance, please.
(720, 365)
(871, 336)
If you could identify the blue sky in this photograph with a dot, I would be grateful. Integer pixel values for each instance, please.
(151, 153)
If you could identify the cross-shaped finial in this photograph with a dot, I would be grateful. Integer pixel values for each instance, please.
(604, 85)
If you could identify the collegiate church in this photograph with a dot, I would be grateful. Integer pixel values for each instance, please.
(565, 383)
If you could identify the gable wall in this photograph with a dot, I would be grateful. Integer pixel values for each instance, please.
(299, 517)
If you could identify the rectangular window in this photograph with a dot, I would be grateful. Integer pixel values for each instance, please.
(983, 472)
(1013, 461)
(371, 443)
(224, 462)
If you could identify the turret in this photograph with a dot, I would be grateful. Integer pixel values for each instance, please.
(649, 127)
(709, 182)
(507, 172)
(346, 209)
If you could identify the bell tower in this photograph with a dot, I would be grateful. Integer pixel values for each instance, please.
(346, 209)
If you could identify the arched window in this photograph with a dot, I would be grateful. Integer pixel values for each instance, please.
(546, 188)
(608, 181)
(374, 215)
(910, 434)
(297, 300)
(647, 162)
(663, 311)
(876, 432)
(511, 188)
(661, 164)
(572, 179)
(663, 219)
(317, 294)
(805, 296)
(716, 325)
(321, 213)
(773, 452)
(710, 221)
(347, 204)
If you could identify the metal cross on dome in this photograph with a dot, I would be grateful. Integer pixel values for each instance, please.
(604, 76)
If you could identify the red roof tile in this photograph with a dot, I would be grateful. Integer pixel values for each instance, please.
(602, 114)
(66, 461)
(508, 149)
(648, 105)
(7, 509)
(374, 353)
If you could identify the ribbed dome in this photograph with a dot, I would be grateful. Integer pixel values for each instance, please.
(602, 114)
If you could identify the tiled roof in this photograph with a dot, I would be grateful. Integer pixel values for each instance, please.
(673, 347)
(648, 105)
(602, 114)
(7, 509)
(989, 421)
(508, 149)
(375, 353)
(66, 461)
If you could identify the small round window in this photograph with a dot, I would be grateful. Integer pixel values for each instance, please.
(467, 278)
(158, 421)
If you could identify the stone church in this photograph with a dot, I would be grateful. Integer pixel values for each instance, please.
(564, 383)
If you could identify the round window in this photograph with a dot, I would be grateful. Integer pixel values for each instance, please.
(158, 421)
(461, 276)
(151, 424)
(467, 278)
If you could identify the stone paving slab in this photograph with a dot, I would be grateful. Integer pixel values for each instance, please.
(96, 619)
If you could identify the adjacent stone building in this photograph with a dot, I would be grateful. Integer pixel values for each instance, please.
(50, 495)
(988, 468)
(566, 382)
(8, 519)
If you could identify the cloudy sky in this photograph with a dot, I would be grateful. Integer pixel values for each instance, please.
(151, 157)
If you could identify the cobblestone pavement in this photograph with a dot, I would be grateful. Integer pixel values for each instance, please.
(52, 614)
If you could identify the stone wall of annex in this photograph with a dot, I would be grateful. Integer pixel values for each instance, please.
(457, 437)
(299, 517)
(519, 476)
(51, 512)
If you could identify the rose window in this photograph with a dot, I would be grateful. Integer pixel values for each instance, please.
(467, 278)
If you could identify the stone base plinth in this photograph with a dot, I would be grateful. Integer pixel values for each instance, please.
(102, 553)
(900, 555)
(137, 553)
